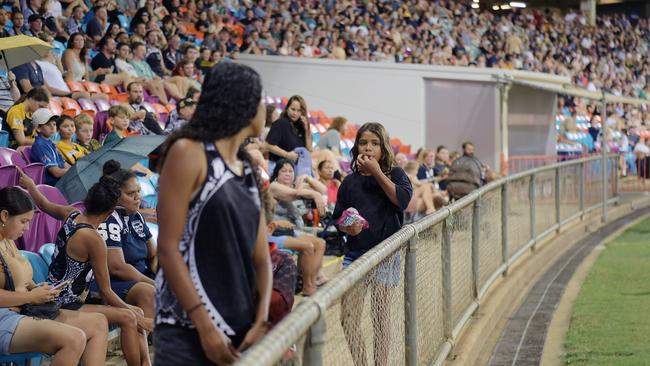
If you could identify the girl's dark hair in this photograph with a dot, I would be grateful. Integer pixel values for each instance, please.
(82, 52)
(102, 196)
(279, 165)
(230, 98)
(297, 126)
(61, 119)
(269, 115)
(15, 201)
(387, 159)
(322, 164)
(38, 94)
(113, 169)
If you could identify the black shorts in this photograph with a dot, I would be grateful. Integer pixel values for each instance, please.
(177, 346)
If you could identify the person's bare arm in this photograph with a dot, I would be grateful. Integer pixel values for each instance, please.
(13, 86)
(117, 267)
(25, 85)
(57, 211)
(293, 156)
(19, 135)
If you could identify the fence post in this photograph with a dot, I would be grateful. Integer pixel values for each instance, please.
(581, 190)
(313, 351)
(410, 304)
(447, 304)
(616, 177)
(476, 230)
(532, 194)
(504, 226)
(558, 217)
(604, 147)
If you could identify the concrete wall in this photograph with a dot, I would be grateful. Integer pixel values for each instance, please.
(531, 127)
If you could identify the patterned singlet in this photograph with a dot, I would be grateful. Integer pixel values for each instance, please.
(64, 268)
(217, 246)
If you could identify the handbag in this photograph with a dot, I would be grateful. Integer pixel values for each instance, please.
(48, 310)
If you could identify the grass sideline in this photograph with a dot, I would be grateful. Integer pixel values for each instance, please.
(611, 318)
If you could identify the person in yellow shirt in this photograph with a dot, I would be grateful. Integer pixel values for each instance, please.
(19, 117)
(70, 150)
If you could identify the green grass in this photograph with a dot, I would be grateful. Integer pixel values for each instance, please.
(610, 324)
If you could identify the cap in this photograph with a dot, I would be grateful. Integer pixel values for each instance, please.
(34, 17)
(42, 116)
(185, 102)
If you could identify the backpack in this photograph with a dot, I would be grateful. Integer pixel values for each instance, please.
(464, 177)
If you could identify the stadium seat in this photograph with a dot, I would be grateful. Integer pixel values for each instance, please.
(4, 138)
(22, 359)
(92, 87)
(39, 267)
(79, 205)
(55, 107)
(148, 192)
(100, 126)
(46, 252)
(49, 226)
(102, 105)
(75, 86)
(8, 176)
(70, 104)
(7, 156)
(87, 104)
(25, 151)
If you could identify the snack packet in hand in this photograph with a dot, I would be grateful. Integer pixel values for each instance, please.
(350, 217)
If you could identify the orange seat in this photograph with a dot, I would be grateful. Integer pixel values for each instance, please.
(106, 89)
(69, 103)
(75, 86)
(92, 87)
(122, 97)
(89, 112)
(55, 107)
(159, 108)
(72, 113)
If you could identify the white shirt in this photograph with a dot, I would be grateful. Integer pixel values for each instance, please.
(123, 66)
(52, 75)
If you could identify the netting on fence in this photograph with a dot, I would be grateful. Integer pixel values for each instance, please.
(518, 213)
(490, 249)
(544, 200)
(569, 191)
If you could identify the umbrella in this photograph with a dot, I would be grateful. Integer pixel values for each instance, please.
(18, 50)
(86, 171)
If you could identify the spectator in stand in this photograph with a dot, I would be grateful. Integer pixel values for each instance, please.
(43, 150)
(427, 161)
(80, 250)
(119, 118)
(401, 160)
(19, 117)
(70, 150)
(176, 87)
(190, 73)
(96, 26)
(70, 336)
(422, 200)
(84, 131)
(9, 92)
(142, 121)
(52, 71)
(35, 23)
(326, 172)
(74, 60)
(181, 115)
(28, 76)
(331, 140)
(442, 167)
(171, 55)
(154, 55)
(74, 24)
(104, 64)
(18, 20)
(291, 131)
(4, 32)
(131, 254)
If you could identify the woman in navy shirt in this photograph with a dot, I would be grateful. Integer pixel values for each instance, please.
(291, 131)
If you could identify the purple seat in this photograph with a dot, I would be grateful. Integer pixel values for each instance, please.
(36, 171)
(148, 107)
(100, 127)
(79, 205)
(102, 105)
(115, 102)
(30, 240)
(87, 104)
(49, 226)
(8, 176)
(26, 152)
(7, 156)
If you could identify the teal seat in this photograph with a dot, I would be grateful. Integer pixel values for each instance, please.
(46, 252)
(39, 267)
(4, 138)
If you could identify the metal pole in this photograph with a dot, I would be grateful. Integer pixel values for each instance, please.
(616, 176)
(410, 304)
(504, 89)
(447, 304)
(533, 208)
(603, 148)
(504, 226)
(558, 217)
(476, 232)
(581, 190)
(313, 351)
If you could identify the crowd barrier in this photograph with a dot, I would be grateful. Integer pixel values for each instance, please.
(407, 300)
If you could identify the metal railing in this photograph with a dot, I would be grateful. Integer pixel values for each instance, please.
(407, 300)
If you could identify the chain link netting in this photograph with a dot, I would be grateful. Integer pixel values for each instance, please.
(429, 294)
(593, 183)
(366, 326)
(490, 248)
(569, 191)
(461, 262)
(544, 201)
(518, 213)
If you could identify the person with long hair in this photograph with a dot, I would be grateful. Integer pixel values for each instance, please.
(291, 131)
(19, 117)
(66, 335)
(213, 300)
(74, 60)
(380, 192)
(79, 250)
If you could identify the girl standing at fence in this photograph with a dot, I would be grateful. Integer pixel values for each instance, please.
(380, 192)
(214, 285)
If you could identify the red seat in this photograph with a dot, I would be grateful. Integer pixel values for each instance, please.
(55, 107)
(75, 86)
(92, 87)
(69, 103)
(106, 89)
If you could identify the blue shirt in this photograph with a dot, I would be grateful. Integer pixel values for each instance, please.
(129, 233)
(30, 72)
(44, 151)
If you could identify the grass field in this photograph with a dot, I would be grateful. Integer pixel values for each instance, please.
(610, 324)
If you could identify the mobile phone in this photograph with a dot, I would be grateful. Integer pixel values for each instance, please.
(62, 285)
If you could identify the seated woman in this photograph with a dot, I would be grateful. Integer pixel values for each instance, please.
(131, 250)
(288, 214)
(326, 178)
(69, 335)
(70, 150)
(80, 250)
(425, 200)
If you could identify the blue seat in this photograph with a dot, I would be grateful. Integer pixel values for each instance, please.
(148, 192)
(39, 267)
(4, 138)
(46, 252)
(23, 359)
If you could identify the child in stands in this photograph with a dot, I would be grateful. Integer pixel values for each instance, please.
(70, 150)
(44, 151)
(84, 131)
(119, 117)
(380, 192)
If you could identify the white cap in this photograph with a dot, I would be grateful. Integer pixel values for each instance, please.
(41, 116)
